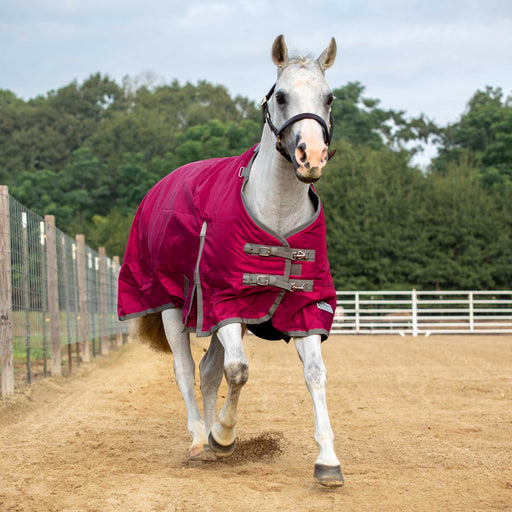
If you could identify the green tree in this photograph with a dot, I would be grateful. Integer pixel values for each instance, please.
(216, 139)
(38, 191)
(469, 242)
(133, 181)
(111, 231)
(484, 134)
(361, 121)
(89, 152)
(370, 202)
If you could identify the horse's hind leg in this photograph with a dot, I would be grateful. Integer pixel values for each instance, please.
(327, 466)
(184, 371)
(211, 370)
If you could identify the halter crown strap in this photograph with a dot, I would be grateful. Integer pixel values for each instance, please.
(299, 117)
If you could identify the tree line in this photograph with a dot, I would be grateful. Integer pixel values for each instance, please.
(88, 153)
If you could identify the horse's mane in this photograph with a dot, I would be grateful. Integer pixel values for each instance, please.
(301, 59)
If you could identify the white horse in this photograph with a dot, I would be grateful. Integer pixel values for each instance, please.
(277, 193)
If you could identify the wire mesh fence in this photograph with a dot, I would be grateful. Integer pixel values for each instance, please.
(58, 297)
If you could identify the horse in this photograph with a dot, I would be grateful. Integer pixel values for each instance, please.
(222, 246)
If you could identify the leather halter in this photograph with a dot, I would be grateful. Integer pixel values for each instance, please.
(299, 117)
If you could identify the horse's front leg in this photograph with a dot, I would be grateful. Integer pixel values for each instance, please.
(327, 466)
(211, 370)
(184, 371)
(222, 436)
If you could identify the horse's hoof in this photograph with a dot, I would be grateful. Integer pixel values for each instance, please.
(201, 452)
(329, 476)
(220, 450)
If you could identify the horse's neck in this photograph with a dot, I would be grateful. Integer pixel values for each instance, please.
(273, 193)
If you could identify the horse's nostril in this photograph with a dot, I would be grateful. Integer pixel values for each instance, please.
(301, 152)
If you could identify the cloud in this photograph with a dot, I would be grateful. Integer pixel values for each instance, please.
(202, 14)
(413, 55)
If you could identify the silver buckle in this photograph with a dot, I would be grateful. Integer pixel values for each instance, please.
(264, 251)
(262, 280)
(296, 288)
(299, 255)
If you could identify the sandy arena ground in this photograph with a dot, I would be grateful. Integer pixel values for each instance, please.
(421, 424)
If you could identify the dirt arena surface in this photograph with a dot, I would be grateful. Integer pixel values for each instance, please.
(421, 424)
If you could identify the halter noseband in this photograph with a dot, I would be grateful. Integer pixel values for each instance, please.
(299, 117)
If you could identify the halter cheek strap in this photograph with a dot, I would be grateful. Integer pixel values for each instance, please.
(299, 117)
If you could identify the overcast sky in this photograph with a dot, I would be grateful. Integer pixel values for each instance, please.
(418, 56)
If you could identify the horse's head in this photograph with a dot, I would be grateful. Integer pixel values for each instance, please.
(299, 112)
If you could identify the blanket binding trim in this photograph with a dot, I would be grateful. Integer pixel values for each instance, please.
(312, 194)
(148, 311)
(196, 294)
(198, 290)
(236, 320)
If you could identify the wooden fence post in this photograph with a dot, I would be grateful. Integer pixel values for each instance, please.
(53, 294)
(6, 330)
(119, 332)
(81, 264)
(67, 308)
(105, 342)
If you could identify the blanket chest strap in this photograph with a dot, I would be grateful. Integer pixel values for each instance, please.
(292, 285)
(288, 253)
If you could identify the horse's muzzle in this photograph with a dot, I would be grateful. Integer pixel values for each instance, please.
(307, 179)
(309, 160)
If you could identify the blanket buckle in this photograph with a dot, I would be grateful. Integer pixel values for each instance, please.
(262, 280)
(299, 255)
(264, 251)
(296, 287)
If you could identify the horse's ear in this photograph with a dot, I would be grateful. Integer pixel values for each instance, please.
(326, 59)
(279, 52)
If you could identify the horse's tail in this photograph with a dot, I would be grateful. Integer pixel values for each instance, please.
(150, 330)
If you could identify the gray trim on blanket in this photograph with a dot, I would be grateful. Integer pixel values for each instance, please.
(296, 270)
(240, 320)
(302, 334)
(197, 290)
(289, 268)
(248, 321)
(147, 312)
(318, 205)
(291, 334)
(246, 172)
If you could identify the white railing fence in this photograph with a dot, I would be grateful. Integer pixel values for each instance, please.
(423, 312)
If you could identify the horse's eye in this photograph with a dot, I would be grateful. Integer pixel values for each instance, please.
(329, 99)
(280, 98)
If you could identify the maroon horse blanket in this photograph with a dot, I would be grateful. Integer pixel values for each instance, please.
(194, 245)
